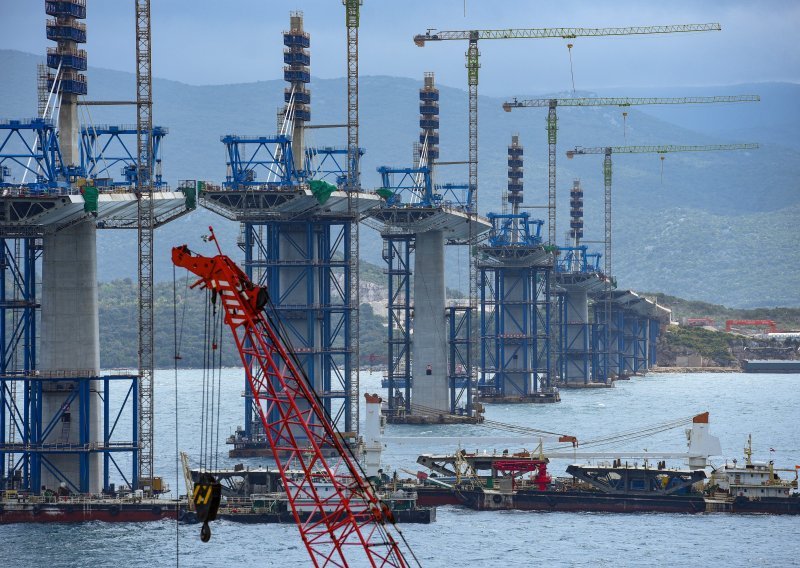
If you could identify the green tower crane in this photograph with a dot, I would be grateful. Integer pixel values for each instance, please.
(607, 151)
(552, 126)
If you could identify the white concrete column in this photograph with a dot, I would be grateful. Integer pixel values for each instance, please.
(70, 342)
(577, 330)
(68, 127)
(429, 347)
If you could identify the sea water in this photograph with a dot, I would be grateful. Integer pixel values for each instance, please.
(765, 406)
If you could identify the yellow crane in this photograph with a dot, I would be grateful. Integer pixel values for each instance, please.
(552, 125)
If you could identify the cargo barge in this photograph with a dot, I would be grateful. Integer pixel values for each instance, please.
(616, 488)
(771, 366)
(17, 508)
(274, 508)
(502, 481)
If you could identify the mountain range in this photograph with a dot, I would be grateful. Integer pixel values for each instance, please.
(720, 227)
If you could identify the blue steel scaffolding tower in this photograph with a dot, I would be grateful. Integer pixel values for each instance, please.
(297, 240)
(63, 425)
(30, 435)
(515, 274)
(417, 219)
(578, 275)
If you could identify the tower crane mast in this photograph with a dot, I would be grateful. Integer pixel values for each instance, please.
(607, 151)
(347, 520)
(353, 182)
(473, 64)
(145, 226)
(552, 124)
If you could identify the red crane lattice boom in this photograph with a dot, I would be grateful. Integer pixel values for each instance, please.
(346, 519)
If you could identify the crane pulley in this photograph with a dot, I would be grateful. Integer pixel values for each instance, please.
(336, 510)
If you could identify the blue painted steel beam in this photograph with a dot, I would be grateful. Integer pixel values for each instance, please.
(397, 254)
(105, 147)
(30, 149)
(460, 361)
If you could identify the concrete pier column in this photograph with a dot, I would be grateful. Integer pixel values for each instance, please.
(577, 367)
(68, 127)
(515, 353)
(299, 285)
(645, 346)
(70, 345)
(429, 344)
(615, 343)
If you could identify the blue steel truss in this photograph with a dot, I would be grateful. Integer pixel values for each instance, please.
(574, 345)
(28, 437)
(397, 250)
(598, 330)
(328, 163)
(259, 161)
(460, 359)
(515, 229)
(413, 187)
(635, 329)
(515, 308)
(652, 341)
(309, 259)
(29, 151)
(104, 148)
(515, 323)
(409, 187)
(578, 260)
(267, 162)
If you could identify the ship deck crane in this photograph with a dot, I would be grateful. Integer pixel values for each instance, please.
(347, 519)
(552, 122)
(607, 151)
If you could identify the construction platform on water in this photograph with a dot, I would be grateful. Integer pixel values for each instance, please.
(540, 317)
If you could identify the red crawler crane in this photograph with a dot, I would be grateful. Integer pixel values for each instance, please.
(346, 518)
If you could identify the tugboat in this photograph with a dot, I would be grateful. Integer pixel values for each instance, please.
(754, 487)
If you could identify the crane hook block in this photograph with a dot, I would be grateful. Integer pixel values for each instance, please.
(206, 497)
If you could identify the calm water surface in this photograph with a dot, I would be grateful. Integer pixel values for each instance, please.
(764, 405)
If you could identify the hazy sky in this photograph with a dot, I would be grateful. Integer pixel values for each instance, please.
(234, 41)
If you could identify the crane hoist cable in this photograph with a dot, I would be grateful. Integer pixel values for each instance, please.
(346, 514)
(571, 70)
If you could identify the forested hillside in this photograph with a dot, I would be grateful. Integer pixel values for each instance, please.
(716, 227)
